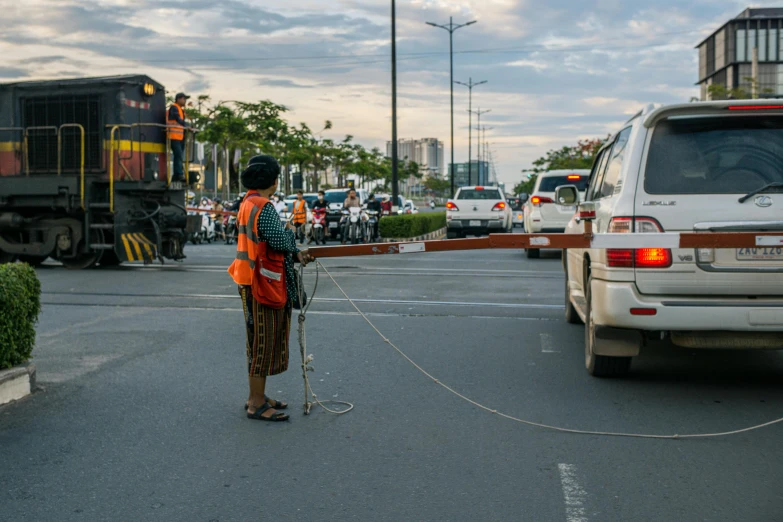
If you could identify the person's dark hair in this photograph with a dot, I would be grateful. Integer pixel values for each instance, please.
(300, 192)
(351, 190)
(321, 193)
(372, 196)
(261, 173)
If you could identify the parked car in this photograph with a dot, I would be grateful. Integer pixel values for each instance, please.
(410, 208)
(542, 213)
(477, 211)
(517, 211)
(712, 167)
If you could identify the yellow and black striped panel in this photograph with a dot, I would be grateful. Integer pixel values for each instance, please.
(137, 247)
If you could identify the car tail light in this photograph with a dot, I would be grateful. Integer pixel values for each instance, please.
(640, 257)
(653, 258)
(499, 206)
(538, 200)
(644, 311)
(479, 188)
(451, 206)
(755, 107)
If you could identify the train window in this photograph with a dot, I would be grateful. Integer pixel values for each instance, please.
(43, 112)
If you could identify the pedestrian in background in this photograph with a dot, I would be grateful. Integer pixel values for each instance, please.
(264, 270)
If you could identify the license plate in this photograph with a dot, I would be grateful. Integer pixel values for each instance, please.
(760, 254)
(475, 224)
(333, 224)
(568, 208)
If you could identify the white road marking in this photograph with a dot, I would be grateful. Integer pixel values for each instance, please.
(573, 494)
(546, 344)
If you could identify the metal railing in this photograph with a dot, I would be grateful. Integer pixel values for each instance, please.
(59, 154)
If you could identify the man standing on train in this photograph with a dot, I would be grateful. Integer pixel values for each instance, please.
(176, 130)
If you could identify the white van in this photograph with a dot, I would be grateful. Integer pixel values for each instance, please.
(707, 167)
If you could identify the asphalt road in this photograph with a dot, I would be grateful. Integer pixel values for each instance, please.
(140, 416)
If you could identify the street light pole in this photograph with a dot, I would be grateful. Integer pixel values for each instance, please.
(395, 159)
(470, 86)
(479, 112)
(451, 28)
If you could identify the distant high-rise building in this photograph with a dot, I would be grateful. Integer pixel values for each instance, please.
(426, 152)
(726, 56)
(479, 174)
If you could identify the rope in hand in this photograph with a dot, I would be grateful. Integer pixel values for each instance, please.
(523, 421)
(307, 359)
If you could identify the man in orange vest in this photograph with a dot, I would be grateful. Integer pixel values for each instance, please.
(300, 216)
(176, 122)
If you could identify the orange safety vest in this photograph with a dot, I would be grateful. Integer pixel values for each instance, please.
(300, 212)
(178, 132)
(256, 265)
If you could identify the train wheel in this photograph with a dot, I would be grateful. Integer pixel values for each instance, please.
(33, 260)
(86, 260)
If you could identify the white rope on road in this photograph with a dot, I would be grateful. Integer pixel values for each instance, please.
(516, 419)
(307, 359)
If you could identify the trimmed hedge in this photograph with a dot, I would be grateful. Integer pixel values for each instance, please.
(20, 304)
(411, 225)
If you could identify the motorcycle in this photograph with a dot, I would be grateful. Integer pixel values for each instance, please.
(319, 226)
(230, 226)
(355, 225)
(432, 204)
(207, 229)
(372, 225)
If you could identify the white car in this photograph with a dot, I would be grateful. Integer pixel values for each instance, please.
(542, 213)
(477, 211)
(410, 208)
(710, 167)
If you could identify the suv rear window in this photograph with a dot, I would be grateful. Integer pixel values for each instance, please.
(731, 155)
(492, 194)
(550, 184)
(337, 197)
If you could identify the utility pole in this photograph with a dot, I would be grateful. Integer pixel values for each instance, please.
(470, 86)
(479, 112)
(451, 28)
(395, 159)
(754, 68)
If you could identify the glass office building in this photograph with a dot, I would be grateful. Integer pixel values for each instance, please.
(726, 56)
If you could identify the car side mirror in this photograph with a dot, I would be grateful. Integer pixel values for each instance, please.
(567, 195)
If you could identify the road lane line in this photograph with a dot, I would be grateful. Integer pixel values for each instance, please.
(573, 494)
(547, 344)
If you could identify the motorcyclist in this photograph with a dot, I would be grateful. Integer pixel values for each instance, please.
(373, 205)
(321, 201)
(350, 202)
(386, 206)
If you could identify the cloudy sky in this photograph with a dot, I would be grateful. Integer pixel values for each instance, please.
(557, 70)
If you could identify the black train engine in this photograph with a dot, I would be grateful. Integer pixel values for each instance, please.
(85, 173)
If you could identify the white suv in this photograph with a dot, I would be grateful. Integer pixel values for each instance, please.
(477, 211)
(711, 167)
(542, 213)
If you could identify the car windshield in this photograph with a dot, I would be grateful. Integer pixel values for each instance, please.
(337, 197)
(491, 194)
(733, 155)
(550, 183)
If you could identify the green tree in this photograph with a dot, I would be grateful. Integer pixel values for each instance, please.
(718, 91)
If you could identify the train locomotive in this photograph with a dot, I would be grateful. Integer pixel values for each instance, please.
(85, 173)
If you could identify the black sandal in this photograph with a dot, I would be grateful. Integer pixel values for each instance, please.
(275, 417)
(277, 405)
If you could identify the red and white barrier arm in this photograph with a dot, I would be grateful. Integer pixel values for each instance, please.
(561, 241)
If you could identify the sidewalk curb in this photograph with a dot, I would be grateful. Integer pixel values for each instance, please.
(17, 382)
(438, 234)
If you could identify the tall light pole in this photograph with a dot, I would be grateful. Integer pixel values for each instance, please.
(451, 28)
(470, 86)
(484, 129)
(395, 159)
(479, 112)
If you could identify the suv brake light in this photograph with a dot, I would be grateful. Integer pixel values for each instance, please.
(640, 257)
(538, 200)
(451, 206)
(499, 206)
(574, 177)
